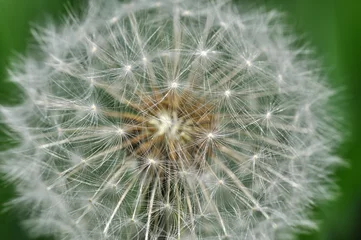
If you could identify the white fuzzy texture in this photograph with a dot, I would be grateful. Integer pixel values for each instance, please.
(271, 145)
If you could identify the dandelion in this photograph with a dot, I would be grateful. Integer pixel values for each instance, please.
(169, 120)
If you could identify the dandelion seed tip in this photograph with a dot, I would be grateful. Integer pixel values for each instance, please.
(223, 24)
(186, 13)
(257, 208)
(227, 93)
(114, 20)
(93, 107)
(203, 53)
(210, 136)
(174, 85)
(151, 160)
(120, 131)
(94, 49)
(249, 63)
(268, 115)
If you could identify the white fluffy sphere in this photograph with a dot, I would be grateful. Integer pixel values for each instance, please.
(170, 120)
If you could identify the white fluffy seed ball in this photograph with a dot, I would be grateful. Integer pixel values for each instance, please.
(170, 120)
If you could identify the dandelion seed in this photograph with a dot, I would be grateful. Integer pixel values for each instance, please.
(120, 131)
(94, 49)
(227, 93)
(268, 115)
(223, 24)
(174, 85)
(210, 136)
(186, 13)
(114, 20)
(203, 53)
(172, 126)
(93, 108)
(128, 68)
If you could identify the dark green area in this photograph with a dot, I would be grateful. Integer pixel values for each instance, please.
(334, 29)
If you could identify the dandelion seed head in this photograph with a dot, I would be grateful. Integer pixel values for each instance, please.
(170, 120)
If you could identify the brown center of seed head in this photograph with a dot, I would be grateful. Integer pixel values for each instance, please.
(172, 127)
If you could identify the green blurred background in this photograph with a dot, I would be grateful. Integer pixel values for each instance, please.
(334, 29)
